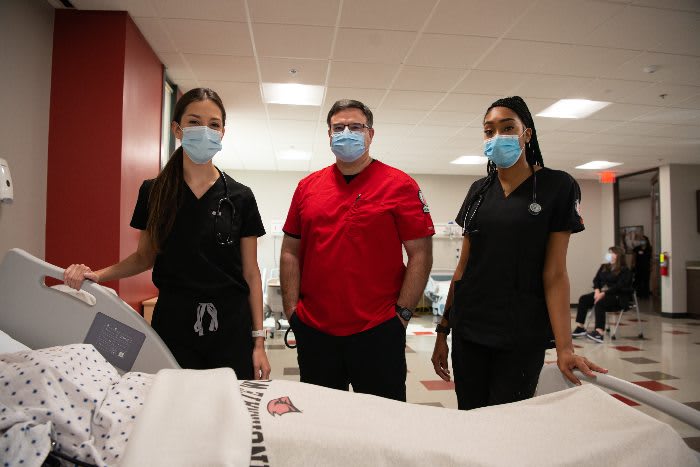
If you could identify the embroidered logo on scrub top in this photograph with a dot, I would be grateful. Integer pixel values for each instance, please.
(577, 206)
(426, 209)
(281, 406)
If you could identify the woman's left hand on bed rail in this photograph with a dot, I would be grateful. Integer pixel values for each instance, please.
(567, 362)
(75, 274)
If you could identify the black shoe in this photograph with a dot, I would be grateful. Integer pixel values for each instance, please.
(578, 332)
(595, 336)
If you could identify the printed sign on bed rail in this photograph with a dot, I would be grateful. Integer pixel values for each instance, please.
(118, 343)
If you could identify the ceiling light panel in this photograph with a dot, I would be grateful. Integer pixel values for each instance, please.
(470, 160)
(573, 108)
(598, 165)
(292, 93)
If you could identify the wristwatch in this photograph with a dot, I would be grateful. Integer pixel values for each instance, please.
(260, 333)
(403, 312)
(442, 329)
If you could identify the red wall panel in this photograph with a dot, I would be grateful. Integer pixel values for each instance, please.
(104, 139)
(82, 212)
(140, 157)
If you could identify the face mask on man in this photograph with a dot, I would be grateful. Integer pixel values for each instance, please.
(201, 143)
(348, 146)
(503, 150)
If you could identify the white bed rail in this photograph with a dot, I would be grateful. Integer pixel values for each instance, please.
(551, 380)
(39, 316)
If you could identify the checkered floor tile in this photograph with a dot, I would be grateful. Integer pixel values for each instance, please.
(627, 401)
(626, 348)
(639, 360)
(654, 385)
(439, 385)
(655, 375)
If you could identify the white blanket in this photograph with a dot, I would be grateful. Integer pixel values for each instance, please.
(72, 395)
(192, 418)
(296, 424)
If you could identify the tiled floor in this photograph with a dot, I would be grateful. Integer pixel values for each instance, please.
(667, 360)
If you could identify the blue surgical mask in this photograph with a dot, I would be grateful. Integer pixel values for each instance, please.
(348, 146)
(609, 258)
(503, 150)
(201, 143)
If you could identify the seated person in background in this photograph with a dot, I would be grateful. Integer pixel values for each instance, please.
(612, 286)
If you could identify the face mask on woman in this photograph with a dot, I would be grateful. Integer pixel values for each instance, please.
(503, 150)
(201, 143)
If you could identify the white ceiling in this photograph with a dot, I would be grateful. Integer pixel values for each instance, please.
(430, 68)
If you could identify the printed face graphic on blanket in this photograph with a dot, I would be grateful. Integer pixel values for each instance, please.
(281, 406)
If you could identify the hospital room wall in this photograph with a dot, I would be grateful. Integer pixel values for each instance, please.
(104, 140)
(444, 194)
(26, 30)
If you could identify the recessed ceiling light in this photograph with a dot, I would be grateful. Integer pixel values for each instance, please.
(292, 94)
(470, 160)
(291, 154)
(598, 165)
(573, 108)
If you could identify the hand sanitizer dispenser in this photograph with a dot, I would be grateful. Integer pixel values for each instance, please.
(6, 192)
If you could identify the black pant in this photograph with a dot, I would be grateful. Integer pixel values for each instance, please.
(485, 376)
(641, 280)
(608, 303)
(229, 345)
(372, 361)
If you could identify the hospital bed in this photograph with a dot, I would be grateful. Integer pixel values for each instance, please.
(210, 418)
(436, 289)
(41, 316)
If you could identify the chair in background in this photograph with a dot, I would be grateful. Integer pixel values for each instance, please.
(612, 324)
(632, 306)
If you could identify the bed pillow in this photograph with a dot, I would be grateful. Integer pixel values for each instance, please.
(9, 345)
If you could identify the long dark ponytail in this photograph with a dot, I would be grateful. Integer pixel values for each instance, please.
(166, 193)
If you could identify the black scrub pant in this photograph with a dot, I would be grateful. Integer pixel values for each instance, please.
(485, 376)
(225, 341)
(641, 279)
(372, 361)
(608, 303)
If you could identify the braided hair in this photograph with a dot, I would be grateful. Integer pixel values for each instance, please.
(533, 155)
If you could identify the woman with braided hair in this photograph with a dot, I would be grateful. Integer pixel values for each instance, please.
(509, 297)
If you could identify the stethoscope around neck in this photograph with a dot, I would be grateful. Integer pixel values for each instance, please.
(221, 238)
(534, 208)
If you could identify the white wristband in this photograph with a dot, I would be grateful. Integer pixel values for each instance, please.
(260, 333)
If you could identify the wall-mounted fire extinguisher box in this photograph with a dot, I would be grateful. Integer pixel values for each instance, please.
(664, 266)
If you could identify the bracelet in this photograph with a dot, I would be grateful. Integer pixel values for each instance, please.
(261, 333)
(442, 329)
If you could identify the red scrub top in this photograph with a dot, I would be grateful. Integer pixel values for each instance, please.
(351, 237)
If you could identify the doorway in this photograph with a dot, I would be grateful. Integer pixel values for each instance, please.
(638, 232)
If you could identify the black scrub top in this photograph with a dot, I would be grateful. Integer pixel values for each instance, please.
(191, 257)
(500, 302)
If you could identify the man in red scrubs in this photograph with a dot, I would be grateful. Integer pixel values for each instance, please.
(346, 292)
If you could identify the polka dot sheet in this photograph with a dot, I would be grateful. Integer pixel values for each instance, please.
(71, 395)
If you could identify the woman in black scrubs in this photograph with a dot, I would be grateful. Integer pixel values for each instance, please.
(509, 297)
(199, 230)
(612, 291)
